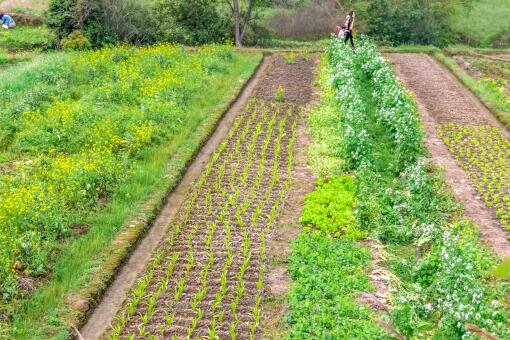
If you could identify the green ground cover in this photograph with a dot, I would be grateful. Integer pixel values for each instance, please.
(441, 286)
(24, 43)
(88, 148)
(484, 21)
(26, 38)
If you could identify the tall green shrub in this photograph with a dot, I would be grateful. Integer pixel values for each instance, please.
(424, 22)
(193, 22)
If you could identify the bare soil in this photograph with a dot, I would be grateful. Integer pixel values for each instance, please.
(441, 98)
(286, 229)
(212, 231)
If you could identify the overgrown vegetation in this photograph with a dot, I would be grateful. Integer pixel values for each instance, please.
(81, 141)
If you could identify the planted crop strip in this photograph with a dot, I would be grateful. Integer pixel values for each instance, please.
(483, 152)
(208, 278)
(440, 286)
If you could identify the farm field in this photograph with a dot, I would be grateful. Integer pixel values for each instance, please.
(208, 278)
(382, 249)
(83, 151)
(422, 249)
(305, 190)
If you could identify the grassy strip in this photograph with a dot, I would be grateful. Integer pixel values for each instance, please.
(492, 96)
(52, 307)
(409, 49)
(442, 287)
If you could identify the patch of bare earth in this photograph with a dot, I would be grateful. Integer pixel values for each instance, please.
(379, 277)
(441, 98)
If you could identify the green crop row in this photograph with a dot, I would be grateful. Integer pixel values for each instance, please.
(483, 152)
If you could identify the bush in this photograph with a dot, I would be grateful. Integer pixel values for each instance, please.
(411, 22)
(102, 22)
(76, 41)
(501, 40)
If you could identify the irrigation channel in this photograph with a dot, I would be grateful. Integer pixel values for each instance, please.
(207, 276)
(466, 139)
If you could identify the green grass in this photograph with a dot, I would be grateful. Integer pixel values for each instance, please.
(47, 312)
(409, 49)
(484, 21)
(497, 101)
(26, 38)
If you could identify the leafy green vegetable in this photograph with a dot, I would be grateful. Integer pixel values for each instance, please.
(330, 208)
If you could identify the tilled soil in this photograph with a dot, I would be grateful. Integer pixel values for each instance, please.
(443, 99)
(208, 278)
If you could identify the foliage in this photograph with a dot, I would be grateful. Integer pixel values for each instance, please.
(71, 138)
(193, 22)
(75, 41)
(24, 38)
(484, 23)
(328, 273)
(409, 21)
(404, 203)
(102, 22)
(482, 151)
(324, 124)
(330, 207)
(280, 94)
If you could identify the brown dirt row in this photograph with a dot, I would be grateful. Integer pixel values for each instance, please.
(441, 98)
(219, 203)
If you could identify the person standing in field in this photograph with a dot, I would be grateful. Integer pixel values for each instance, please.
(7, 21)
(349, 26)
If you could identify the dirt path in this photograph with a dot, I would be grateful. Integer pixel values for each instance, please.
(443, 99)
(207, 277)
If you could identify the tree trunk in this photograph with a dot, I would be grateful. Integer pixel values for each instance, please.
(237, 22)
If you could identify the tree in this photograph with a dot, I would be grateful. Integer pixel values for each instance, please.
(243, 14)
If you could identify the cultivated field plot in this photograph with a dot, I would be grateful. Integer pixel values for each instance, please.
(484, 153)
(492, 70)
(207, 279)
(474, 136)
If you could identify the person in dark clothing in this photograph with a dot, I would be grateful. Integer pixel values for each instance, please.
(349, 24)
